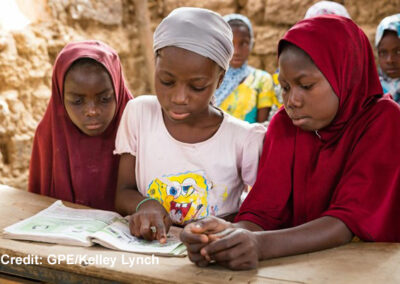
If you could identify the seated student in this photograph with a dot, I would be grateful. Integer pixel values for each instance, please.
(387, 41)
(326, 8)
(246, 93)
(72, 155)
(182, 158)
(318, 9)
(326, 172)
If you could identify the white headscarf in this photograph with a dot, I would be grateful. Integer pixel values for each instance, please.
(198, 30)
(326, 8)
(390, 23)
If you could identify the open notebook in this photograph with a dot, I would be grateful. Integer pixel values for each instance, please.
(85, 227)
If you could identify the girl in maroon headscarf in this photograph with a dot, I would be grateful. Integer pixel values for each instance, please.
(72, 155)
(329, 169)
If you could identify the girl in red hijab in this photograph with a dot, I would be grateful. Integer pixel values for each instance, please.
(72, 155)
(329, 168)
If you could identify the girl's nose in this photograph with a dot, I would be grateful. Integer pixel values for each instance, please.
(91, 109)
(294, 99)
(179, 95)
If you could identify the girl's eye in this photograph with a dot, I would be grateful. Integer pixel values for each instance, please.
(77, 101)
(105, 99)
(382, 53)
(167, 83)
(285, 88)
(198, 89)
(307, 87)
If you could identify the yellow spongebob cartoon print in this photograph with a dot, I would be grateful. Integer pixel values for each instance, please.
(183, 195)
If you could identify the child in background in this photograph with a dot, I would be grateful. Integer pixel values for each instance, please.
(246, 93)
(181, 157)
(328, 170)
(72, 155)
(387, 41)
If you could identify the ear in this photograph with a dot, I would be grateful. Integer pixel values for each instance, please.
(221, 77)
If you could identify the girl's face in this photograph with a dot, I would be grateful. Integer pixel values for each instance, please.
(185, 83)
(308, 97)
(241, 44)
(89, 98)
(389, 54)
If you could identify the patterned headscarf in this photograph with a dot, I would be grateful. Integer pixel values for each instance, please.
(389, 85)
(234, 76)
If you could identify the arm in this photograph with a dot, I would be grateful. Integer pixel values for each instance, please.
(241, 245)
(242, 249)
(127, 196)
(151, 213)
(263, 114)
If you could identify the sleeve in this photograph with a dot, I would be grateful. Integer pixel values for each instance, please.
(265, 205)
(266, 95)
(251, 152)
(126, 140)
(367, 198)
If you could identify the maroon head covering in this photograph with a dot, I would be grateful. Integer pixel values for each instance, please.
(66, 163)
(351, 170)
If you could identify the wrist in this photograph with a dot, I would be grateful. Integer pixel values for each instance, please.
(267, 245)
(144, 201)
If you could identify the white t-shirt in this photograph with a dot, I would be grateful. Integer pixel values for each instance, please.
(191, 181)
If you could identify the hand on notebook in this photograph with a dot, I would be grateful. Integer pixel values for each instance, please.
(198, 234)
(151, 222)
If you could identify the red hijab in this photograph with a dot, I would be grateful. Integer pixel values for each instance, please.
(66, 163)
(352, 171)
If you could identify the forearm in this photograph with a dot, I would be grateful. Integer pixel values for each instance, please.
(248, 226)
(127, 201)
(322, 233)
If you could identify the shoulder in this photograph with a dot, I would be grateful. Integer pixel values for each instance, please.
(143, 103)
(386, 110)
(243, 129)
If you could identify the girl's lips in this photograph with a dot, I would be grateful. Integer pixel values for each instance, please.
(391, 71)
(299, 121)
(178, 116)
(94, 126)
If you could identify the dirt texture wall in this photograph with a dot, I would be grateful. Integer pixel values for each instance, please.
(26, 56)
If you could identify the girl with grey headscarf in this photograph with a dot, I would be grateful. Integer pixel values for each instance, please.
(182, 158)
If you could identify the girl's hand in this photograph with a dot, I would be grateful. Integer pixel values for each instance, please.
(235, 248)
(151, 222)
(196, 235)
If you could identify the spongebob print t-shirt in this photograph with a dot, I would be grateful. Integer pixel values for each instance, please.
(191, 181)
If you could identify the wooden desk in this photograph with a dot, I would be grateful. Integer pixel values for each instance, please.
(352, 263)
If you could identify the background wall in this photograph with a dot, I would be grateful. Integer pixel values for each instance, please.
(27, 55)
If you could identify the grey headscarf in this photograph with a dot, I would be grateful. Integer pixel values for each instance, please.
(198, 30)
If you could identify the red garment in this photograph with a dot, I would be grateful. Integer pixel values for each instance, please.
(353, 171)
(66, 163)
